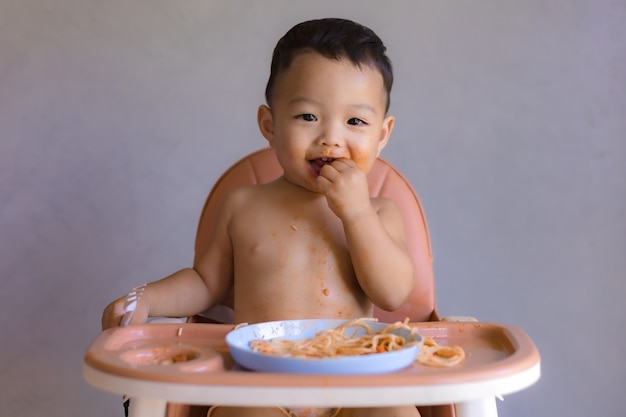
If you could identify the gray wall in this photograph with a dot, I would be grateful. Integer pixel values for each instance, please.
(117, 116)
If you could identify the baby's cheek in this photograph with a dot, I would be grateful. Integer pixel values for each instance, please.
(362, 160)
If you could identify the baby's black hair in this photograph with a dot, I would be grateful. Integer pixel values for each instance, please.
(335, 39)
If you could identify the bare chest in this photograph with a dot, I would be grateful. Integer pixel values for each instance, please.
(294, 267)
(291, 248)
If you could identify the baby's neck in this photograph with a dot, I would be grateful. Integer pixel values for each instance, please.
(283, 183)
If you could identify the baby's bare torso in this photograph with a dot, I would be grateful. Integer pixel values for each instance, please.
(291, 259)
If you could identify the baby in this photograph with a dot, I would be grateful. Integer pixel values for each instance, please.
(311, 244)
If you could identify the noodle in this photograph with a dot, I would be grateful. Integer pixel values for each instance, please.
(339, 341)
(432, 354)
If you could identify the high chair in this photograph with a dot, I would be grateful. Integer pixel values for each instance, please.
(384, 181)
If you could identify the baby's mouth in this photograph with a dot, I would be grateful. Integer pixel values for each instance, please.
(317, 164)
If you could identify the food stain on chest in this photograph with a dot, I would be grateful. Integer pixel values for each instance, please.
(324, 269)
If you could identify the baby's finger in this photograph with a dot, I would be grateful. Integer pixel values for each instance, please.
(329, 172)
(343, 164)
(323, 184)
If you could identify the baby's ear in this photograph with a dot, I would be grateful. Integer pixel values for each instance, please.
(385, 132)
(266, 123)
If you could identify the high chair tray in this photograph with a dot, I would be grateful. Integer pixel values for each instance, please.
(500, 359)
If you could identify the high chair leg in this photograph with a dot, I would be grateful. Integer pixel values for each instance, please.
(147, 407)
(484, 407)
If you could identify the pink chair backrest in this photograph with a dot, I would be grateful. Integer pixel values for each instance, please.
(384, 181)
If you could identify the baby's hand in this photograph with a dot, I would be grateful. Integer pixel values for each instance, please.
(345, 187)
(113, 313)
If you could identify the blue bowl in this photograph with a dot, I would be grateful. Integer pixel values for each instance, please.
(238, 341)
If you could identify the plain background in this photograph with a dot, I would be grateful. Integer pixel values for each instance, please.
(116, 117)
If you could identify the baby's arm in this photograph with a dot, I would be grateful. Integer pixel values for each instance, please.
(377, 245)
(178, 295)
(186, 292)
(376, 236)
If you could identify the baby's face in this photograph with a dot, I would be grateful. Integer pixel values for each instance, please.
(324, 109)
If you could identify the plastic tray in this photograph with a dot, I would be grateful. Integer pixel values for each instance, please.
(137, 352)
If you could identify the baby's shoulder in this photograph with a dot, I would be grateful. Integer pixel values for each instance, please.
(246, 196)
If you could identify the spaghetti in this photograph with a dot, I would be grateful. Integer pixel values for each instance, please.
(342, 341)
(339, 341)
(432, 354)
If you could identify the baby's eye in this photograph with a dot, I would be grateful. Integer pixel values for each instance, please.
(356, 122)
(307, 117)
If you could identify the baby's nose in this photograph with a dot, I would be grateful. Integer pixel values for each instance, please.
(331, 137)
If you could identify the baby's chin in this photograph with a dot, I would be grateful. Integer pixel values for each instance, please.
(310, 184)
